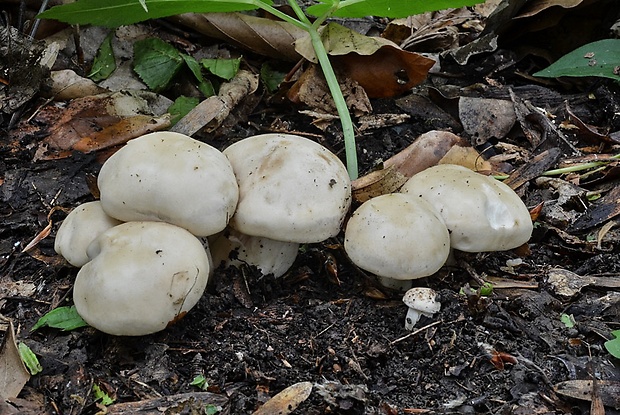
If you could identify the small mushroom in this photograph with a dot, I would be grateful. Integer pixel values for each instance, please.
(170, 177)
(421, 301)
(481, 213)
(290, 188)
(269, 256)
(142, 277)
(81, 226)
(397, 236)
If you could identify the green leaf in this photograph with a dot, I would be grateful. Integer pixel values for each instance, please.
(64, 318)
(601, 58)
(224, 68)
(181, 107)
(386, 8)
(114, 13)
(29, 359)
(104, 63)
(271, 77)
(568, 320)
(211, 409)
(101, 396)
(204, 85)
(156, 62)
(200, 381)
(613, 345)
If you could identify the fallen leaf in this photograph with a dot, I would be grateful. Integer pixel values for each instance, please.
(13, 372)
(582, 389)
(287, 400)
(429, 149)
(484, 118)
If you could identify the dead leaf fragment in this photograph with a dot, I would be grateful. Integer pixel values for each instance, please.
(566, 283)
(609, 391)
(484, 118)
(13, 372)
(429, 149)
(287, 400)
(67, 85)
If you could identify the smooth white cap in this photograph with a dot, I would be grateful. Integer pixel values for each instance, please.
(142, 277)
(170, 177)
(481, 213)
(268, 255)
(290, 188)
(81, 226)
(397, 236)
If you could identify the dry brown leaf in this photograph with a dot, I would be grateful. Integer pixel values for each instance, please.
(13, 372)
(263, 36)
(93, 123)
(582, 389)
(534, 7)
(484, 118)
(378, 65)
(431, 148)
(287, 400)
(67, 85)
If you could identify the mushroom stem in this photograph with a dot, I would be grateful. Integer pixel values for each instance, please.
(412, 318)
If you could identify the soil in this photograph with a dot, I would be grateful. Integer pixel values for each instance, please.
(252, 336)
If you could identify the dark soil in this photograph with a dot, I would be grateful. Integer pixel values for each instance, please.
(252, 336)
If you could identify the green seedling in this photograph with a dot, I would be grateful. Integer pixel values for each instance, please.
(200, 382)
(613, 345)
(115, 13)
(29, 359)
(64, 318)
(102, 396)
(181, 107)
(568, 320)
(104, 63)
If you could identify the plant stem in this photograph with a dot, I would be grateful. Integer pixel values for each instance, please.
(348, 132)
(350, 147)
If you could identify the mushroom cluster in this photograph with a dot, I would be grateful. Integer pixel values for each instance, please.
(142, 263)
(405, 236)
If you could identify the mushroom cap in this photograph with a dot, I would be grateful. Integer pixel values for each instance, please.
(423, 300)
(170, 177)
(397, 236)
(142, 277)
(290, 188)
(481, 213)
(81, 226)
(268, 255)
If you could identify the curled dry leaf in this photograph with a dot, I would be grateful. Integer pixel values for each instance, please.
(66, 85)
(13, 373)
(263, 36)
(434, 147)
(287, 400)
(382, 68)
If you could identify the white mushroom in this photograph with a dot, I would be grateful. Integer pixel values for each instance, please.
(481, 213)
(421, 301)
(290, 188)
(397, 236)
(271, 257)
(142, 277)
(81, 226)
(172, 178)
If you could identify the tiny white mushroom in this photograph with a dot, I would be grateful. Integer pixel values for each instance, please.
(421, 301)
(172, 178)
(143, 276)
(290, 188)
(481, 213)
(397, 236)
(81, 226)
(269, 256)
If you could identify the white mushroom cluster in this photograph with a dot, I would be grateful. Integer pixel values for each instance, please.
(142, 263)
(405, 236)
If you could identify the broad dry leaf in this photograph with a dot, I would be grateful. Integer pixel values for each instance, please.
(263, 36)
(534, 7)
(484, 118)
(95, 122)
(382, 68)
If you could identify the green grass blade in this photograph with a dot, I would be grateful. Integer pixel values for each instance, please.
(114, 13)
(386, 8)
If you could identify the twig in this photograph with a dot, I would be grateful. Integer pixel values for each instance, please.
(413, 333)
